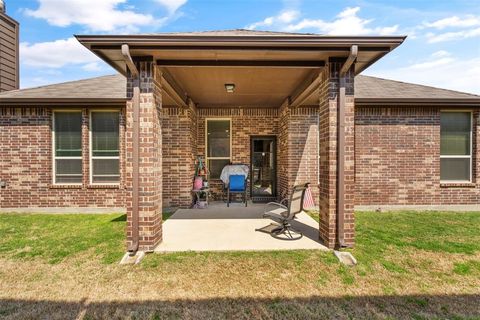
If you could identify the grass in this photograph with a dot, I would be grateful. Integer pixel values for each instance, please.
(411, 266)
(56, 237)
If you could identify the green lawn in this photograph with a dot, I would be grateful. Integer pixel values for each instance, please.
(412, 265)
(55, 237)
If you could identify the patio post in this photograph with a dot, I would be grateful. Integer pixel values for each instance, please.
(150, 157)
(328, 168)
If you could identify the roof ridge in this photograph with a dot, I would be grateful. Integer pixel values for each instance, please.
(235, 30)
(420, 85)
(58, 83)
(266, 31)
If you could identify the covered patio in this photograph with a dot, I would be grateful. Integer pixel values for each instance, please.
(297, 89)
(219, 228)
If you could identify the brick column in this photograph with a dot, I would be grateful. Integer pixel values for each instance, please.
(328, 124)
(150, 164)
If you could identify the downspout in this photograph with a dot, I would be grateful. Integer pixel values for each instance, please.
(132, 249)
(341, 147)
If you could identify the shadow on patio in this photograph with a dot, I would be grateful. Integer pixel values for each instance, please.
(219, 228)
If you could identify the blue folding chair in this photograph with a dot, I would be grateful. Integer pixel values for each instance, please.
(237, 184)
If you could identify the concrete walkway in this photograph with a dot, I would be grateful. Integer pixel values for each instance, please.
(219, 228)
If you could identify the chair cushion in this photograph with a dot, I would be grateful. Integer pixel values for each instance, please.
(278, 213)
(236, 183)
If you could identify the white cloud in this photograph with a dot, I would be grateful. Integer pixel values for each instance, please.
(92, 67)
(33, 82)
(288, 16)
(96, 15)
(454, 22)
(456, 28)
(436, 59)
(453, 35)
(172, 5)
(441, 70)
(347, 22)
(282, 18)
(56, 54)
(441, 54)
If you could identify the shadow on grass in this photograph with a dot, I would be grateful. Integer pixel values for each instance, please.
(365, 307)
(121, 218)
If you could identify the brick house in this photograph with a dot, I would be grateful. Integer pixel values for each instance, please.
(131, 140)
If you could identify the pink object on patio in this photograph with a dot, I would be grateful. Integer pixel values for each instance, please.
(308, 202)
(197, 183)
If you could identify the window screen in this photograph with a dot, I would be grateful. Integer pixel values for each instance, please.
(67, 147)
(218, 146)
(105, 142)
(455, 146)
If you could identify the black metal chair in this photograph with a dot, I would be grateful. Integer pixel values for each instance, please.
(285, 214)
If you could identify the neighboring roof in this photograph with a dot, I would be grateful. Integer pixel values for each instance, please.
(112, 88)
(106, 89)
(370, 90)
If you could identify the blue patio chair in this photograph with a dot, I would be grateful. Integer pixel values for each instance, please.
(237, 184)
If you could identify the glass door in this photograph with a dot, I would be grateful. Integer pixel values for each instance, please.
(263, 168)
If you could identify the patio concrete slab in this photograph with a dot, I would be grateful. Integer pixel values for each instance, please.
(219, 228)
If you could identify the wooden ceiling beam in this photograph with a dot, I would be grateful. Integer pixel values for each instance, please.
(174, 90)
(241, 63)
(305, 89)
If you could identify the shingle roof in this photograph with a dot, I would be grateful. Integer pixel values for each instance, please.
(367, 87)
(236, 32)
(106, 87)
(114, 87)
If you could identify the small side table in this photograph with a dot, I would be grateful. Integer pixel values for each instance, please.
(198, 197)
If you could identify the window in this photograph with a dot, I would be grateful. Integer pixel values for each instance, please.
(67, 146)
(104, 146)
(456, 146)
(218, 145)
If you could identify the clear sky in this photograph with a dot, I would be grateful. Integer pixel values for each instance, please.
(442, 48)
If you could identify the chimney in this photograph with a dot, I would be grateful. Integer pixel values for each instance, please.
(9, 64)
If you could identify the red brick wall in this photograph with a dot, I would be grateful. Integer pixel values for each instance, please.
(298, 147)
(245, 122)
(397, 157)
(298, 164)
(26, 164)
(179, 127)
(303, 160)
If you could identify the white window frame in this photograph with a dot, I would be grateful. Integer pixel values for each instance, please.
(461, 157)
(90, 150)
(207, 158)
(54, 156)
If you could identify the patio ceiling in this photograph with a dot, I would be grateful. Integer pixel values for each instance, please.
(253, 86)
(266, 69)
